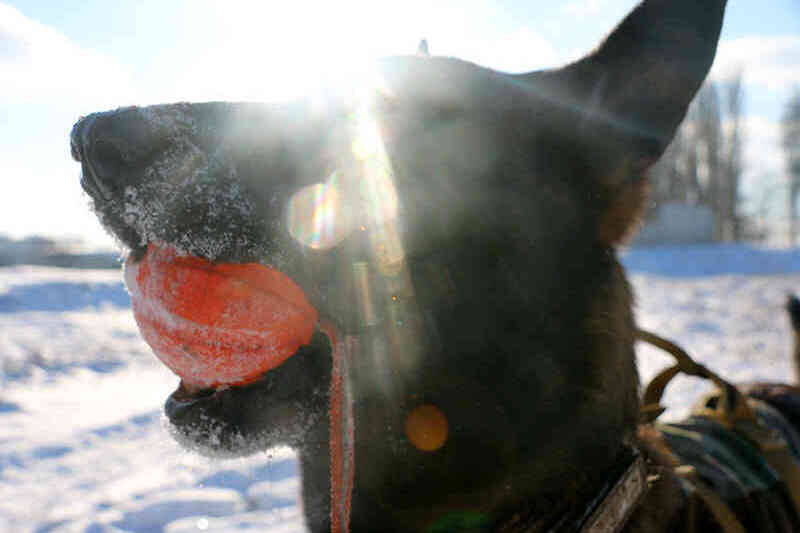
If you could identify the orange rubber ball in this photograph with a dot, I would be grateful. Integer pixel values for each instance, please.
(217, 324)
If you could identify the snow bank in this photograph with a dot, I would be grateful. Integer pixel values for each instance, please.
(83, 443)
(705, 260)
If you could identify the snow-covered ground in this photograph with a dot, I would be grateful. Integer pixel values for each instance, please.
(83, 446)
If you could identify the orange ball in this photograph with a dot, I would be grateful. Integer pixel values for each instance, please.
(217, 324)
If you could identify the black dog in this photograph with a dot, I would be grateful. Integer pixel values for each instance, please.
(469, 271)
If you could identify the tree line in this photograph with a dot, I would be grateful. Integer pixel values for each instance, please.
(790, 126)
(703, 164)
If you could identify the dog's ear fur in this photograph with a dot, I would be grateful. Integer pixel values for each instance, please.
(629, 96)
(615, 110)
(641, 79)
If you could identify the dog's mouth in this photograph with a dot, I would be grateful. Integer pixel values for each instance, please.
(215, 289)
(187, 397)
(223, 328)
(184, 399)
(241, 419)
(244, 341)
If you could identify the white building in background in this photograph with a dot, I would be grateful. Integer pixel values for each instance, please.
(677, 223)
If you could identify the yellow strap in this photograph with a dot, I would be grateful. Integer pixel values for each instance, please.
(733, 410)
(731, 407)
(775, 450)
(685, 362)
(722, 513)
(782, 460)
(651, 399)
(716, 505)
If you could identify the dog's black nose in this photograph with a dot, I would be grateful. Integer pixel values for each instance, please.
(110, 146)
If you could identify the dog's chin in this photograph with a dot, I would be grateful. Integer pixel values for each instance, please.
(210, 422)
(233, 421)
(204, 422)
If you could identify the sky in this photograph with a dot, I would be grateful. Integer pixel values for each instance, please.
(62, 60)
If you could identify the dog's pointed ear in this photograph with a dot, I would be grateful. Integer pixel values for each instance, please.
(628, 97)
(641, 79)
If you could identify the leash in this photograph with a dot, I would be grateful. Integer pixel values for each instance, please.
(341, 432)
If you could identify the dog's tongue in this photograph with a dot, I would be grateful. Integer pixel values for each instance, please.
(217, 324)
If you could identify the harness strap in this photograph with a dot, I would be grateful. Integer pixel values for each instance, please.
(732, 406)
(736, 416)
(777, 453)
(716, 505)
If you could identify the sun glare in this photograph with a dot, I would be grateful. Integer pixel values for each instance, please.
(360, 197)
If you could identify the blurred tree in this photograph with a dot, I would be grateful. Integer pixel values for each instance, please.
(791, 147)
(703, 164)
(731, 164)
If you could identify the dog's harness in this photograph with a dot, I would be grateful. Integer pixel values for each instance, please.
(753, 445)
(733, 448)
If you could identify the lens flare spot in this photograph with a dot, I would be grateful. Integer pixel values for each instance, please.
(427, 428)
(359, 196)
(316, 217)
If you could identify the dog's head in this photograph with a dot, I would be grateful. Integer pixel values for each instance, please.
(456, 226)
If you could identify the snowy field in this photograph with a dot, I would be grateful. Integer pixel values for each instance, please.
(83, 446)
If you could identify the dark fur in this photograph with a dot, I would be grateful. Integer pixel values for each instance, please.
(516, 320)
(793, 308)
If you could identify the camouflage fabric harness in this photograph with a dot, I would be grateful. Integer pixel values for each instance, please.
(738, 453)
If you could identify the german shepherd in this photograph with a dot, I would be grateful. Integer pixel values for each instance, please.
(469, 278)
